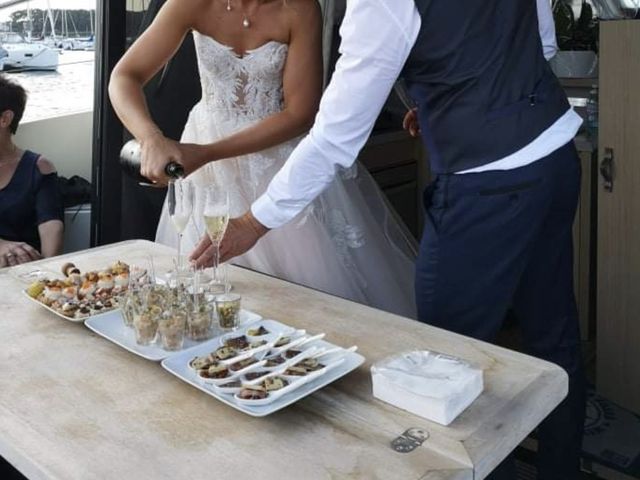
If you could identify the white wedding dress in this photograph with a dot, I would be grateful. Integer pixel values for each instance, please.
(348, 242)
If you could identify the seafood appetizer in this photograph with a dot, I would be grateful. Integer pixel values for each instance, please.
(254, 375)
(257, 332)
(236, 367)
(215, 371)
(200, 363)
(238, 343)
(275, 362)
(225, 353)
(253, 392)
(262, 390)
(289, 354)
(304, 367)
(79, 295)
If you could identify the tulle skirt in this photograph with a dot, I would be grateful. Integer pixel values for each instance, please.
(348, 242)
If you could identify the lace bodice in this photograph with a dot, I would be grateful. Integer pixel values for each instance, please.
(249, 86)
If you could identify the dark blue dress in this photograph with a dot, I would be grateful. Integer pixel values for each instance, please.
(29, 200)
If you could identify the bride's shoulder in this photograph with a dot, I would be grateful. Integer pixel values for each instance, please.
(189, 6)
(188, 11)
(303, 10)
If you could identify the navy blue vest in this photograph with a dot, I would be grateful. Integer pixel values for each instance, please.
(479, 77)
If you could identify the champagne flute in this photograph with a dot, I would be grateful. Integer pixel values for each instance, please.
(180, 203)
(216, 218)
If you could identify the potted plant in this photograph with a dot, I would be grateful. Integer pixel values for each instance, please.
(577, 41)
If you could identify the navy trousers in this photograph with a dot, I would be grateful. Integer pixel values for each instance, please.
(503, 239)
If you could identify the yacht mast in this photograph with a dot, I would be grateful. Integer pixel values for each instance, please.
(28, 22)
(51, 20)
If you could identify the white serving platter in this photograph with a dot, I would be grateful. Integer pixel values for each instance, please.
(68, 319)
(178, 365)
(111, 326)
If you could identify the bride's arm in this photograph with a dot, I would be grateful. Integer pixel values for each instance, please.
(150, 52)
(302, 84)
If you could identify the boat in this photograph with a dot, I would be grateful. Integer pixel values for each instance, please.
(27, 55)
(75, 43)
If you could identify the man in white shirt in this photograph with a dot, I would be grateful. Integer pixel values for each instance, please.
(499, 131)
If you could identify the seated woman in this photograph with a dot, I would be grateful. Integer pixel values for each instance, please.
(31, 221)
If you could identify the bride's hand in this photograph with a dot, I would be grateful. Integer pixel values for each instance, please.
(194, 156)
(157, 152)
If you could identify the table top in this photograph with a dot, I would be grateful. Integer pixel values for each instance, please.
(75, 406)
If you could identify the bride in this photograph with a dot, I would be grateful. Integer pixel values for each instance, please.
(260, 65)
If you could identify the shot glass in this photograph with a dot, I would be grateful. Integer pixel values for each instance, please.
(171, 329)
(200, 321)
(132, 305)
(156, 296)
(145, 324)
(228, 311)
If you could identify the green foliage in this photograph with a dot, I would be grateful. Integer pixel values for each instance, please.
(575, 33)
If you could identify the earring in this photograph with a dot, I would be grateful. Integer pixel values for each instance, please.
(228, 5)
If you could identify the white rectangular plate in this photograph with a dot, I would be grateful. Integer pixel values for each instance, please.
(178, 365)
(68, 319)
(111, 326)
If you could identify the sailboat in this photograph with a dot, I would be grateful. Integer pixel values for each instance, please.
(23, 54)
(66, 41)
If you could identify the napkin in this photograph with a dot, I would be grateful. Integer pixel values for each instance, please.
(431, 385)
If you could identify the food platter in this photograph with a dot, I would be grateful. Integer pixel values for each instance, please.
(64, 317)
(78, 296)
(260, 368)
(274, 374)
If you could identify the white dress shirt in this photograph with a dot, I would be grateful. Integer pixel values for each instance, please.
(377, 38)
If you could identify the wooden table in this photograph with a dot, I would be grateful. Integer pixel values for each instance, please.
(75, 406)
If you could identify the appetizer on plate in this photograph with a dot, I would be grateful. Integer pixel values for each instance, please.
(215, 372)
(80, 295)
(255, 375)
(226, 352)
(253, 392)
(238, 343)
(257, 332)
(241, 365)
(263, 389)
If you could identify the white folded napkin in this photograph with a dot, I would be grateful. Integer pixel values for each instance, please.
(431, 385)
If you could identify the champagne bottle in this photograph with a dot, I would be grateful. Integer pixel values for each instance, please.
(131, 158)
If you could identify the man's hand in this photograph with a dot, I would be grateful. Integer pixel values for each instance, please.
(241, 235)
(16, 253)
(411, 123)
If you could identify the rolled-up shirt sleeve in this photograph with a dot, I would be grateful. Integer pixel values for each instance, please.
(547, 29)
(377, 37)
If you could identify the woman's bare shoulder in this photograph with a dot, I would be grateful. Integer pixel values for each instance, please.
(45, 166)
(303, 8)
(303, 13)
(189, 10)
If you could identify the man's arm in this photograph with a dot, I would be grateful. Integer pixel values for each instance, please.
(377, 37)
(547, 29)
